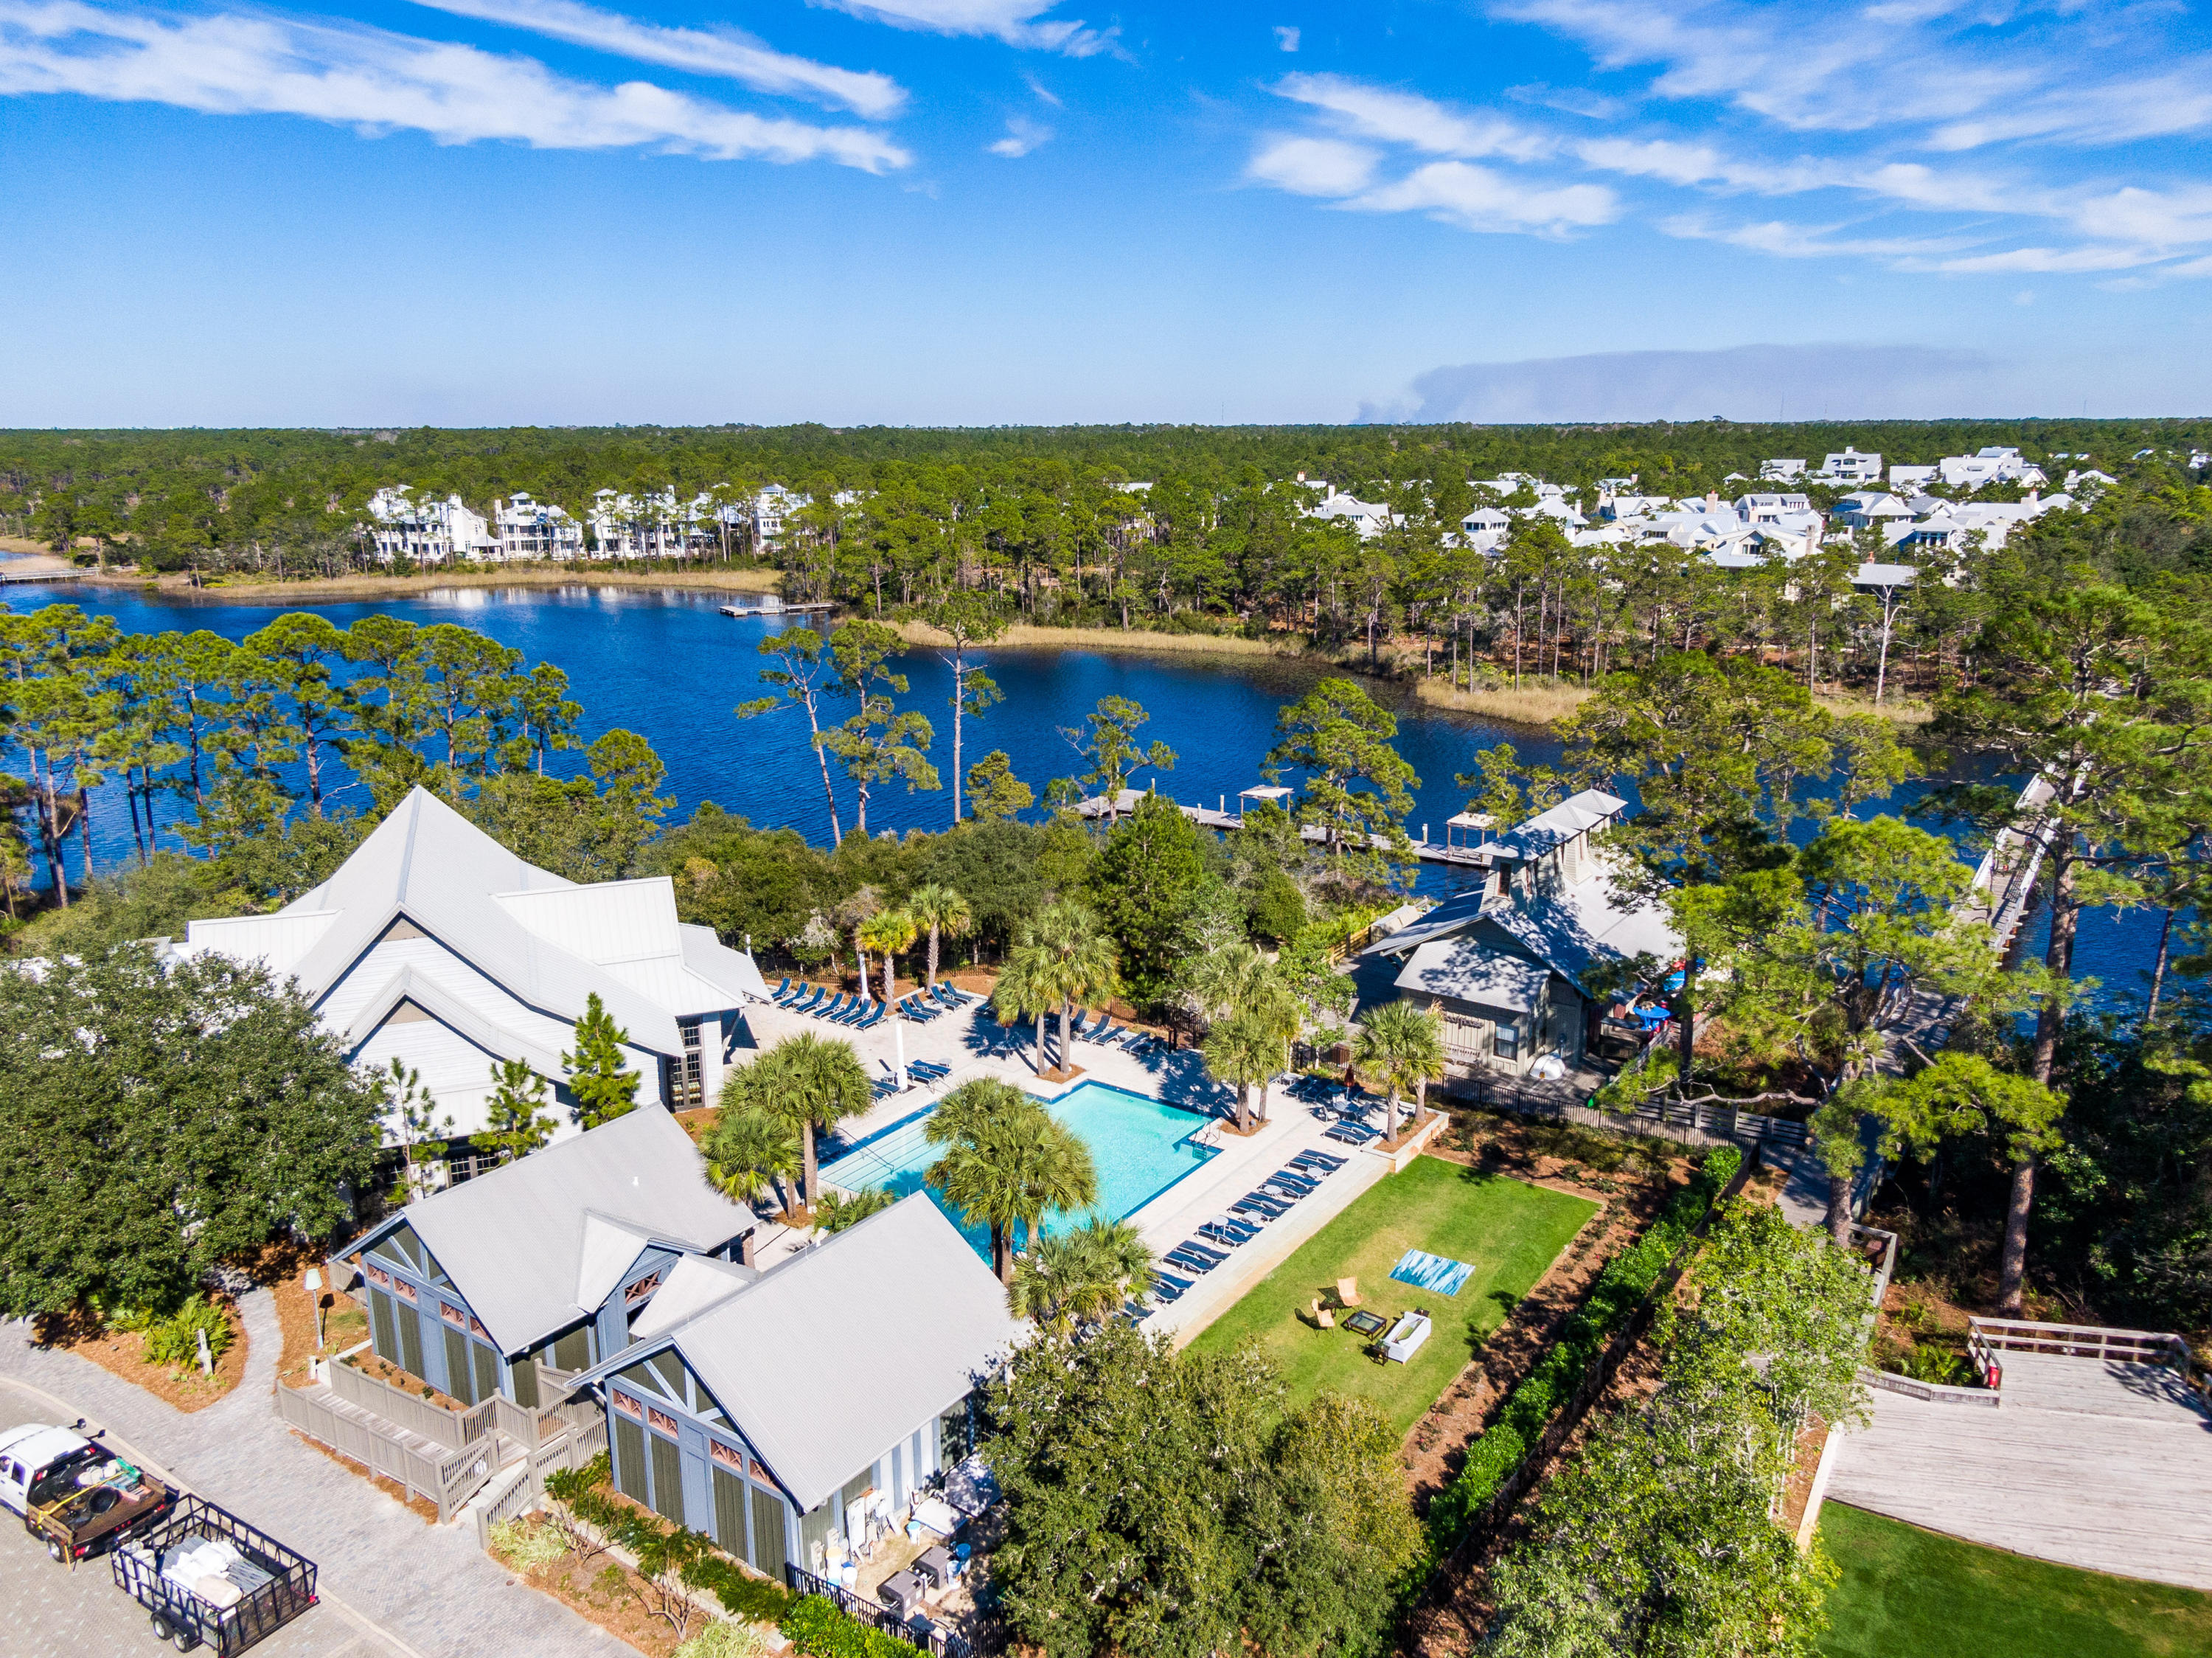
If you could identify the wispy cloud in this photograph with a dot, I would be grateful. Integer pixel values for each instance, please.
(1406, 118)
(1314, 167)
(1017, 22)
(1022, 135)
(1287, 37)
(727, 52)
(378, 81)
(1477, 199)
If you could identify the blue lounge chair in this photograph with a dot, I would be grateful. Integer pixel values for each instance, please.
(1188, 1262)
(1301, 1184)
(805, 1001)
(1314, 1168)
(856, 1013)
(1325, 1159)
(781, 990)
(1267, 1204)
(953, 996)
(838, 1003)
(1350, 1134)
(870, 1020)
(1213, 1252)
(1219, 1233)
(1169, 1281)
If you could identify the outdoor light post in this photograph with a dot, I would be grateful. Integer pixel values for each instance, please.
(314, 1287)
(898, 1036)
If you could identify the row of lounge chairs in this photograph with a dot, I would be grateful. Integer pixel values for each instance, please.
(1301, 1177)
(858, 1012)
(1102, 1032)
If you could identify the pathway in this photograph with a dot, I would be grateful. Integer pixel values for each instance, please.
(393, 1586)
(2088, 1462)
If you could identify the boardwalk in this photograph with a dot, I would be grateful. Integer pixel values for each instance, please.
(1428, 851)
(2088, 1462)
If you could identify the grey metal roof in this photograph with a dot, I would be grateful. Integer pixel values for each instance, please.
(837, 1354)
(427, 861)
(1571, 817)
(1454, 914)
(1468, 970)
(513, 1241)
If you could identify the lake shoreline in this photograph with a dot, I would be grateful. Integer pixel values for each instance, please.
(316, 589)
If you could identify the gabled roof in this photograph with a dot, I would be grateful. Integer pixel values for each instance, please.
(1467, 970)
(526, 1243)
(835, 1356)
(1575, 815)
(1452, 915)
(550, 943)
(1579, 927)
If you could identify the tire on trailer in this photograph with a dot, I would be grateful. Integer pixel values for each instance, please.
(161, 1630)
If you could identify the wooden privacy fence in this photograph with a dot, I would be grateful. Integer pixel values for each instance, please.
(1745, 1129)
(448, 1476)
(2080, 1341)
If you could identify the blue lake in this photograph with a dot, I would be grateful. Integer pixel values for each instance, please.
(666, 663)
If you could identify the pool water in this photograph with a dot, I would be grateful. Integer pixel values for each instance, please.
(1138, 1146)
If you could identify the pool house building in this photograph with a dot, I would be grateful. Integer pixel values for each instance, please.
(792, 1415)
(548, 1261)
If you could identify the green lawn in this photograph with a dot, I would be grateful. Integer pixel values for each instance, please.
(1911, 1593)
(1510, 1233)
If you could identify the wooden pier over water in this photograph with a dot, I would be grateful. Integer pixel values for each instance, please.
(1428, 851)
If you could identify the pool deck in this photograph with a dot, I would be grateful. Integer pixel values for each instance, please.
(973, 1046)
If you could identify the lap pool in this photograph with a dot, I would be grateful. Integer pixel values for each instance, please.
(1139, 1147)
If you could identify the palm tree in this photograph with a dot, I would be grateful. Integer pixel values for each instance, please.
(1079, 1276)
(1023, 992)
(1245, 1052)
(1007, 1162)
(840, 1209)
(750, 1155)
(887, 932)
(944, 912)
(811, 1082)
(1238, 984)
(1075, 960)
(1402, 1047)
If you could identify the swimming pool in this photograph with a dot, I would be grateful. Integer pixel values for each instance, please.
(1138, 1146)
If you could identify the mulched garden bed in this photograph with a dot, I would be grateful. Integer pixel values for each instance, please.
(122, 1353)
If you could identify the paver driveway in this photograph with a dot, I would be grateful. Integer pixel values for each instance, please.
(393, 1586)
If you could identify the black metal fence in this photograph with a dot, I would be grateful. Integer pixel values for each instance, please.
(939, 1642)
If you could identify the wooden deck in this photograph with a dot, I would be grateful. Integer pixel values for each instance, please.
(2088, 1462)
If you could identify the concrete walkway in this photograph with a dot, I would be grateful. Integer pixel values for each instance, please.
(393, 1586)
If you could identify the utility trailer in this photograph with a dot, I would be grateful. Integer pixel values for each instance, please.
(207, 1578)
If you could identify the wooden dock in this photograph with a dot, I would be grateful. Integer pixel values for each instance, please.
(2102, 1463)
(777, 607)
(1221, 817)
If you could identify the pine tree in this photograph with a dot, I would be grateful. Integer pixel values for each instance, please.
(515, 1121)
(604, 1090)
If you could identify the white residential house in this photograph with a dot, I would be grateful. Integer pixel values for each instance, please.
(1514, 968)
(1948, 525)
(2092, 481)
(1780, 471)
(1486, 529)
(1622, 506)
(1866, 506)
(1770, 509)
(1989, 465)
(536, 529)
(1851, 467)
(769, 511)
(639, 527)
(1617, 485)
(1369, 518)
(434, 945)
(1902, 477)
(428, 531)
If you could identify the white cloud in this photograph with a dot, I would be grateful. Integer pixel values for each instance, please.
(1022, 135)
(1476, 198)
(1014, 21)
(1804, 242)
(1287, 37)
(1406, 118)
(1314, 167)
(379, 82)
(1045, 94)
(2055, 260)
(2153, 217)
(726, 52)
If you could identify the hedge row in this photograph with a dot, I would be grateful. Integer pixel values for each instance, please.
(692, 1556)
(817, 1628)
(1620, 1289)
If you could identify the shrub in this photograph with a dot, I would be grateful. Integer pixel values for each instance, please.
(818, 1630)
(174, 1340)
(1620, 1289)
(742, 1595)
(524, 1546)
(724, 1638)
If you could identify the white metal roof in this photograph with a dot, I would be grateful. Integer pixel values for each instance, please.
(837, 1354)
(526, 1241)
(1467, 970)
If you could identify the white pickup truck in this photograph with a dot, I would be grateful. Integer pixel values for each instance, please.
(74, 1494)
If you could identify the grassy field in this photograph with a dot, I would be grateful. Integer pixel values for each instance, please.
(1911, 1593)
(1510, 1233)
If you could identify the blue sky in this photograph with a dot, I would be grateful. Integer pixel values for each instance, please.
(983, 211)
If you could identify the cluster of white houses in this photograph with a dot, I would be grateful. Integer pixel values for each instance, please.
(619, 524)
